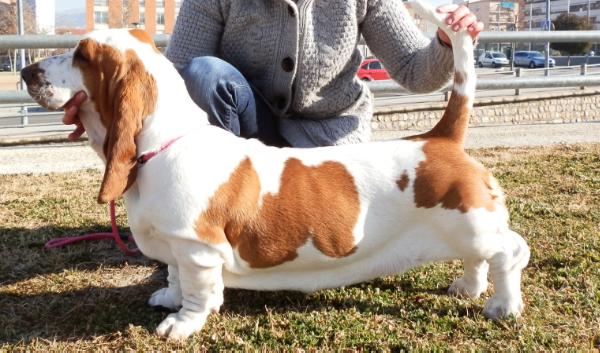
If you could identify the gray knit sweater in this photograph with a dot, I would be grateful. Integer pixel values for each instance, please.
(302, 57)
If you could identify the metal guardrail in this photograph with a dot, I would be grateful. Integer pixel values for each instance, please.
(540, 36)
(532, 82)
(21, 97)
(31, 41)
(35, 41)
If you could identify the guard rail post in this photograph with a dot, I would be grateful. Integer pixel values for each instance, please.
(583, 72)
(517, 74)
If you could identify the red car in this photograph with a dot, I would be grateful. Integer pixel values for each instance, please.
(372, 70)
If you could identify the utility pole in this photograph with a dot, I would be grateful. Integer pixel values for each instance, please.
(21, 22)
(530, 19)
(547, 58)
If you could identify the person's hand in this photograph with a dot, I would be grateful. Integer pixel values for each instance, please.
(71, 116)
(459, 17)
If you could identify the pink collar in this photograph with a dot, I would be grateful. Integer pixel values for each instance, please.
(149, 155)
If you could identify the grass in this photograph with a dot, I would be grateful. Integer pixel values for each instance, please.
(90, 297)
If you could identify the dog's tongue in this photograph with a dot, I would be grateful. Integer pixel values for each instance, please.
(72, 119)
(76, 134)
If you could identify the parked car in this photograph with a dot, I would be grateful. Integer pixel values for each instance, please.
(5, 67)
(372, 70)
(492, 59)
(532, 59)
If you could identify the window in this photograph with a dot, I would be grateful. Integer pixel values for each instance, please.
(100, 2)
(375, 65)
(577, 8)
(101, 17)
(160, 3)
(160, 18)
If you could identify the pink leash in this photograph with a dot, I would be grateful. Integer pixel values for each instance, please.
(60, 242)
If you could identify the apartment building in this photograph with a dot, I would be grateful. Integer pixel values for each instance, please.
(155, 16)
(496, 15)
(533, 12)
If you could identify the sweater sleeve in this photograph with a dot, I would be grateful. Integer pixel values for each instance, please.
(411, 59)
(197, 31)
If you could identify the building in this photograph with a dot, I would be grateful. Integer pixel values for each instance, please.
(496, 15)
(155, 16)
(44, 12)
(533, 12)
(425, 26)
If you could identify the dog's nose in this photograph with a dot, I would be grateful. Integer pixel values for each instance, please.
(31, 73)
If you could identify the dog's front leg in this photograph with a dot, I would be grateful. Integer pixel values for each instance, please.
(202, 290)
(168, 297)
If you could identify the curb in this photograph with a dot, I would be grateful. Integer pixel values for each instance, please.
(7, 141)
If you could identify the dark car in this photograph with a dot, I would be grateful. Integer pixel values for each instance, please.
(531, 59)
(5, 67)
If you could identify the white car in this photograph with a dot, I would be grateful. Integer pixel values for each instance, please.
(492, 59)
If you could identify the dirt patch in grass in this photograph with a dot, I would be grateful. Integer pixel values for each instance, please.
(89, 296)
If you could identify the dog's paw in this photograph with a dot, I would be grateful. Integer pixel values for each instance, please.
(462, 288)
(497, 308)
(180, 326)
(165, 297)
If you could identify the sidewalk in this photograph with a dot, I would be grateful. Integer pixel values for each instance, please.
(34, 134)
(73, 156)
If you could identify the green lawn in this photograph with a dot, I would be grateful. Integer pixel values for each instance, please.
(89, 296)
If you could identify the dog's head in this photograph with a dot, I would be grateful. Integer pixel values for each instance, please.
(107, 65)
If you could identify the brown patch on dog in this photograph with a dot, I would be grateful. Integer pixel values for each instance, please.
(124, 93)
(403, 181)
(144, 37)
(455, 121)
(450, 178)
(319, 203)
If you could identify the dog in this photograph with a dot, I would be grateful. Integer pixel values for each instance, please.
(264, 218)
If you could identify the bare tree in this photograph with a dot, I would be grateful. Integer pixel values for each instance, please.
(9, 23)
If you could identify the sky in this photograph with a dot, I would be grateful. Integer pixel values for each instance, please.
(64, 5)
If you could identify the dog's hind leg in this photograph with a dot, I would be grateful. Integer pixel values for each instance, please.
(473, 282)
(169, 297)
(506, 266)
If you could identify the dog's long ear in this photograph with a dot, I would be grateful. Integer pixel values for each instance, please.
(134, 95)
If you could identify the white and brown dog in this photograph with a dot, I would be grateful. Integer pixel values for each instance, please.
(257, 217)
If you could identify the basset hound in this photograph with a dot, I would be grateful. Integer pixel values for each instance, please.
(224, 211)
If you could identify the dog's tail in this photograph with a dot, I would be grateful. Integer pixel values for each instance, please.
(455, 120)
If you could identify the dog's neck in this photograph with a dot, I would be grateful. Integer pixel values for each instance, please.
(175, 113)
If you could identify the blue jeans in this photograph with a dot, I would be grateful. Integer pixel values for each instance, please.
(230, 102)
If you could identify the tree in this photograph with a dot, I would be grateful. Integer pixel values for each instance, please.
(8, 25)
(570, 22)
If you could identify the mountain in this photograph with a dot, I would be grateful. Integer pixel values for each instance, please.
(74, 18)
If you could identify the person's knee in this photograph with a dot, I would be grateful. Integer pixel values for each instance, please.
(209, 71)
